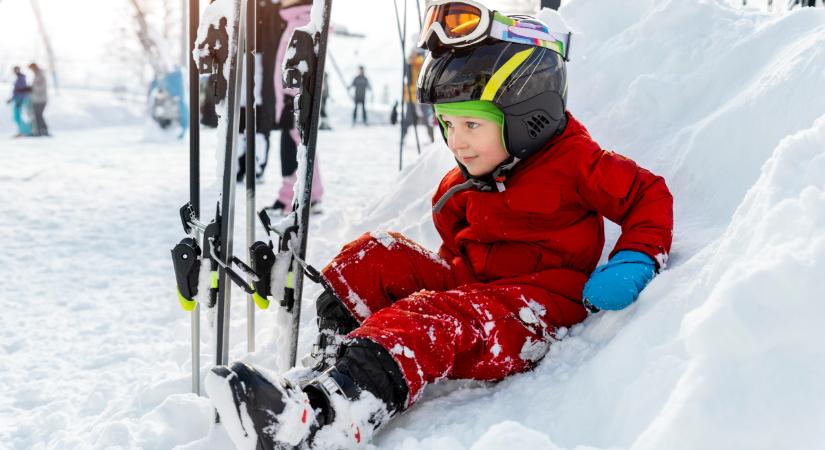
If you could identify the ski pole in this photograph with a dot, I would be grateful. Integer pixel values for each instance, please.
(410, 80)
(340, 75)
(403, 70)
(249, 49)
(194, 173)
(420, 17)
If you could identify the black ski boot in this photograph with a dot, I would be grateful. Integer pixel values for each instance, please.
(265, 412)
(340, 408)
(334, 322)
(356, 396)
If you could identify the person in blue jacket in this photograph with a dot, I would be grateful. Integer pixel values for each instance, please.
(20, 103)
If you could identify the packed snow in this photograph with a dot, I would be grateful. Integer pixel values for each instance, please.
(722, 350)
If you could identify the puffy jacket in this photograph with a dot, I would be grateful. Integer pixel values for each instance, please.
(546, 227)
(39, 90)
(21, 88)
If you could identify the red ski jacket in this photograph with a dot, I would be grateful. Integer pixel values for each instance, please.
(545, 228)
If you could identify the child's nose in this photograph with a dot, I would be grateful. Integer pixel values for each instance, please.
(456, 140)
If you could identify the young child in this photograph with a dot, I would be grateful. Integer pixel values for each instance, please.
(521, 219)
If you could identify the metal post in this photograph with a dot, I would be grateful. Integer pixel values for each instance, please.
(196, 350)
(249, 49)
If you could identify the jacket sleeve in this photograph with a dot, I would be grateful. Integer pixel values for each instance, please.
(634, 198)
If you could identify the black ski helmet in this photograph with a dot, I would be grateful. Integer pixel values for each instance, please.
(528, 83)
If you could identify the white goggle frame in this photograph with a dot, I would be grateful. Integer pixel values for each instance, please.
(476, 35)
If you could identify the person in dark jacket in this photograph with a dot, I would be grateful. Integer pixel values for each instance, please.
(521, 220)
(361, 84)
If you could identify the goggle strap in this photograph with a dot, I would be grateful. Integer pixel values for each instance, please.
(511, 30)
(500, 27)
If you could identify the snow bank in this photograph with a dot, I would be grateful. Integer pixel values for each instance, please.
(754, 356)
(700, 92)
(722, 349)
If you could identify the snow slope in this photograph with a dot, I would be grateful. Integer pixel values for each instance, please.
(722, 350)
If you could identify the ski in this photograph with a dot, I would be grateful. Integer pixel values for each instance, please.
(187, 255)
(304, 70)
(218, 52)
(227, 209)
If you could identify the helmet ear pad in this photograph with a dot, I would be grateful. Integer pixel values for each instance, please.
(530, 124)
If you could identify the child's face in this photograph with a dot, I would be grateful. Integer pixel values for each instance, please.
(475, 143)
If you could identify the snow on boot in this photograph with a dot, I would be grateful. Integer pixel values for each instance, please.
(348, 415)
(356, 396)
(260, 412)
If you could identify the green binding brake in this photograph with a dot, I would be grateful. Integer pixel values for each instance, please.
(185, 303)
(262, 302)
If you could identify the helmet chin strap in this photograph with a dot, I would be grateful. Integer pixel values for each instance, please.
(500, 174)
(483, 183)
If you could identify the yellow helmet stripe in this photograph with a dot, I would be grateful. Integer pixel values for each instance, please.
(503, 72)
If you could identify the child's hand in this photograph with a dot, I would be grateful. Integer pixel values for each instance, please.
(617, 284)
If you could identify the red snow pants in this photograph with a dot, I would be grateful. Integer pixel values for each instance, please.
(435, 324)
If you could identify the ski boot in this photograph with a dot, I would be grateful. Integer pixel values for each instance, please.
(334, 322)
(258, 411)
(278, 209)
(268, 413)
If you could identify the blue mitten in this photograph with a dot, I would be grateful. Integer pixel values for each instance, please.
(617, 284)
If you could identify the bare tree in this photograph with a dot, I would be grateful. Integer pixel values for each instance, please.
(46, 41)
(152, 51)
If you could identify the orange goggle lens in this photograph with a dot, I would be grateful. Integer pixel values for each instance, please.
(457, 19)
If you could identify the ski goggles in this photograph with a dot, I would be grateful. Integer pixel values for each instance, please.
(455, 24)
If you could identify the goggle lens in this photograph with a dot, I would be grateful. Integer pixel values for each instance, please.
(460, 19)
(456, 19)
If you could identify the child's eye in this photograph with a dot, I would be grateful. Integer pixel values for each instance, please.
(473, 125)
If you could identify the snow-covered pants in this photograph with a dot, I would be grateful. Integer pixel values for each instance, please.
(434, 323)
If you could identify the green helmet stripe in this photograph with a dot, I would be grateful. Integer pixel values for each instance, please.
(503, 72)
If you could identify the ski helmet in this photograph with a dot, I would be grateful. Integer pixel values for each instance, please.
(528, 83)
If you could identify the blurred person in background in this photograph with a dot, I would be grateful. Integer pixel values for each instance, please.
(361, 84)
(291, 15)
(20, 103)
(39, 97)
(415, 113)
